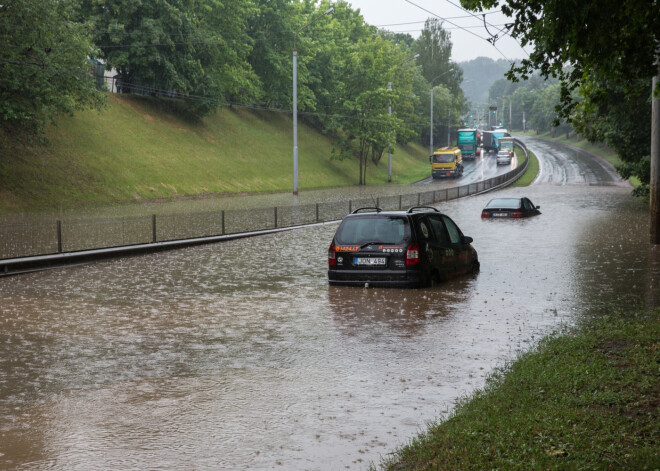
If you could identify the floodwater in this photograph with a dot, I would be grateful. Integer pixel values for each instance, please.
(238, 355)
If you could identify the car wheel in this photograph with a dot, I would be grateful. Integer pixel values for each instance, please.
(434, 280)
(475, 267)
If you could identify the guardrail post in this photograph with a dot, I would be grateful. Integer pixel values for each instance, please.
(275, 213)
(419, 199)
(59, 236)
(153, 228)
(400, 198)
(350, 206)
(317, 212)
(223, 221)
(377, 201)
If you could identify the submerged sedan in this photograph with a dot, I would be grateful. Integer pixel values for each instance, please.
(510, 208)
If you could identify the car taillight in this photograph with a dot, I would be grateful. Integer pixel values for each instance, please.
(516, 214)
(332, 255)
(412, 254)
(485, 214)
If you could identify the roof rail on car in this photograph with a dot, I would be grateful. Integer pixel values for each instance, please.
(413, 208)
(372, 208)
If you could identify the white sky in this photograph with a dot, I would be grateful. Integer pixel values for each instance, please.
(390, 14)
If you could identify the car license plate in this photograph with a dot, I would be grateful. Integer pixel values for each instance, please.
(500, 215)
(371, 261)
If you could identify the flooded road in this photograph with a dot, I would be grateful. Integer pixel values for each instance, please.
(240, 356)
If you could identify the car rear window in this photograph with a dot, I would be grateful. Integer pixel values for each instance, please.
(378, 229)
(507, 203)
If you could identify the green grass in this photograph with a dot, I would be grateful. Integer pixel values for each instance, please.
(532, 168)
(586, 399)
(135, 150)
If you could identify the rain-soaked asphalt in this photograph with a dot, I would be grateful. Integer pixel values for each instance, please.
(239, 355)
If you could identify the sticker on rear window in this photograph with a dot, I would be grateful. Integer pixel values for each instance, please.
(347, 248)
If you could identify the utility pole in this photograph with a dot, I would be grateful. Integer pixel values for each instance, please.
(510, 125)
(295, 99)
(448, 128)
(431, 130)
(389, 144)
(655, 157)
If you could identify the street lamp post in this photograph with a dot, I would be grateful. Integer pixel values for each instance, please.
(431, 120)
(389, 113)
(295, 99)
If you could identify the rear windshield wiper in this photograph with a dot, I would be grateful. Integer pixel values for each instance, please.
(378, 242)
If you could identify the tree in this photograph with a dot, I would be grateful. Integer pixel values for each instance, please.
(611, 41)
(44, 65)
(434, 49)
(621, 119)
(197, 48)
(367, 129)
(272, 29)
(614, 39)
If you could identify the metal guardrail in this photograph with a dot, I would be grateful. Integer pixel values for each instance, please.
(26, 246)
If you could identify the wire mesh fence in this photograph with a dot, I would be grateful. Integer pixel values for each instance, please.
(42, 238)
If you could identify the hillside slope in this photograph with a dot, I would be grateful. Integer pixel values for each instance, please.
(135, 150)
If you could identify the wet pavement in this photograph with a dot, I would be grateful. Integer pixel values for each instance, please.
(239, 355)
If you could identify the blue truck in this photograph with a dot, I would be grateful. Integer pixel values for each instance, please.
(490, 139)
(467, 142)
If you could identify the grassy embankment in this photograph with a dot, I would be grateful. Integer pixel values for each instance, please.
(587, 399)
(135, 150)
(532, 168)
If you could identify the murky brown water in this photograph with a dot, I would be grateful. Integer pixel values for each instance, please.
(240, 356)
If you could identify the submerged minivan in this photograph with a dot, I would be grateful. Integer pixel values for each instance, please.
(417, 247)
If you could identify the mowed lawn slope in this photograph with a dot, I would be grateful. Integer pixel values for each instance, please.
(135, 150)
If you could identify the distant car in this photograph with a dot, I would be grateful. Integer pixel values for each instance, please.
(417, 247)
(504, 157)
(510, 208)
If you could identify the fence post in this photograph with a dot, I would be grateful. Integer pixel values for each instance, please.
(275, 213)
(350, 206)
(223, 222)
(59, 236)
(400, 197)
(317, 212)
(377, 201)
(419, 199)
(153, 228)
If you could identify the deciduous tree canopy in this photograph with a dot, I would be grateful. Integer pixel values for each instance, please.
(44, 64)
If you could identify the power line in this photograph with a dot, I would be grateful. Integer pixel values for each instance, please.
(464, 29)
(449, 18)
(444, 19)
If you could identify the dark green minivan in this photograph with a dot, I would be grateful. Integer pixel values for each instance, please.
(417, 247)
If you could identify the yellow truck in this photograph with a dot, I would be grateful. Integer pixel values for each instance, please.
(447, 162)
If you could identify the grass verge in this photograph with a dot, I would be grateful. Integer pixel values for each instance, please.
(586, 399)
(136, 150)
(532, 169)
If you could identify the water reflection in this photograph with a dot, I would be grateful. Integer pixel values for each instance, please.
(240, 356)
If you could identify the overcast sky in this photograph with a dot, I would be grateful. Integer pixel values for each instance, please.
(409, 16)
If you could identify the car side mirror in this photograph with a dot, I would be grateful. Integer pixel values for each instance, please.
(467, 240)
(538, 207)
